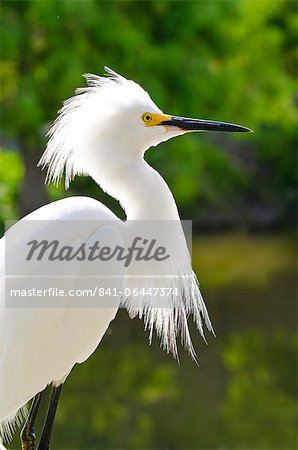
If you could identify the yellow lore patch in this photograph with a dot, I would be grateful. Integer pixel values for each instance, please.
(154, 119)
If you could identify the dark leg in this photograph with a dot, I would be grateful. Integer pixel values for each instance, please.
(28, 432)
(44, 443)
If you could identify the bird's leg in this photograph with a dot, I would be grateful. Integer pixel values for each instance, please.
(44, 443)
(28, 432)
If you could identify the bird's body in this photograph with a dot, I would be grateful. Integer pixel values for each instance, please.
(69, 334)
(39, 346)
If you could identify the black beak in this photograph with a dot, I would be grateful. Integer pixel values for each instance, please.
(202, 125)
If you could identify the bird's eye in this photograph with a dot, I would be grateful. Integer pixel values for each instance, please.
(146, 117)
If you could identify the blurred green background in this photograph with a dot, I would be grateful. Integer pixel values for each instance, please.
(225, 60)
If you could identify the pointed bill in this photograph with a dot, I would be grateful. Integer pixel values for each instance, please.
(186, 124)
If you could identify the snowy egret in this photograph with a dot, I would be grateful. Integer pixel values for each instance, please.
(103, 132)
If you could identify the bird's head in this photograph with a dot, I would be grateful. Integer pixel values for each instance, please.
(111, 121)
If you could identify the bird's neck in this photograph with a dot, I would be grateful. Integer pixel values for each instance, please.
(141, 191)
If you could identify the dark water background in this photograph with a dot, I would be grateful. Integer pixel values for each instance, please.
(243, 395)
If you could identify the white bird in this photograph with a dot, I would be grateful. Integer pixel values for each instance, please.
(103, 132)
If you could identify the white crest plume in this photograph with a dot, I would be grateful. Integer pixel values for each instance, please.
(82, 122)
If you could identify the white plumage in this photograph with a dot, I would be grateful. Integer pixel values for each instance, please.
(102, 132)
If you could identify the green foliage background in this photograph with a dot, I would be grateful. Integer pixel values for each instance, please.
(232, 60)
(227, 60)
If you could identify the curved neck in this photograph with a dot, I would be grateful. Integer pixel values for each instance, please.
(141, 191)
